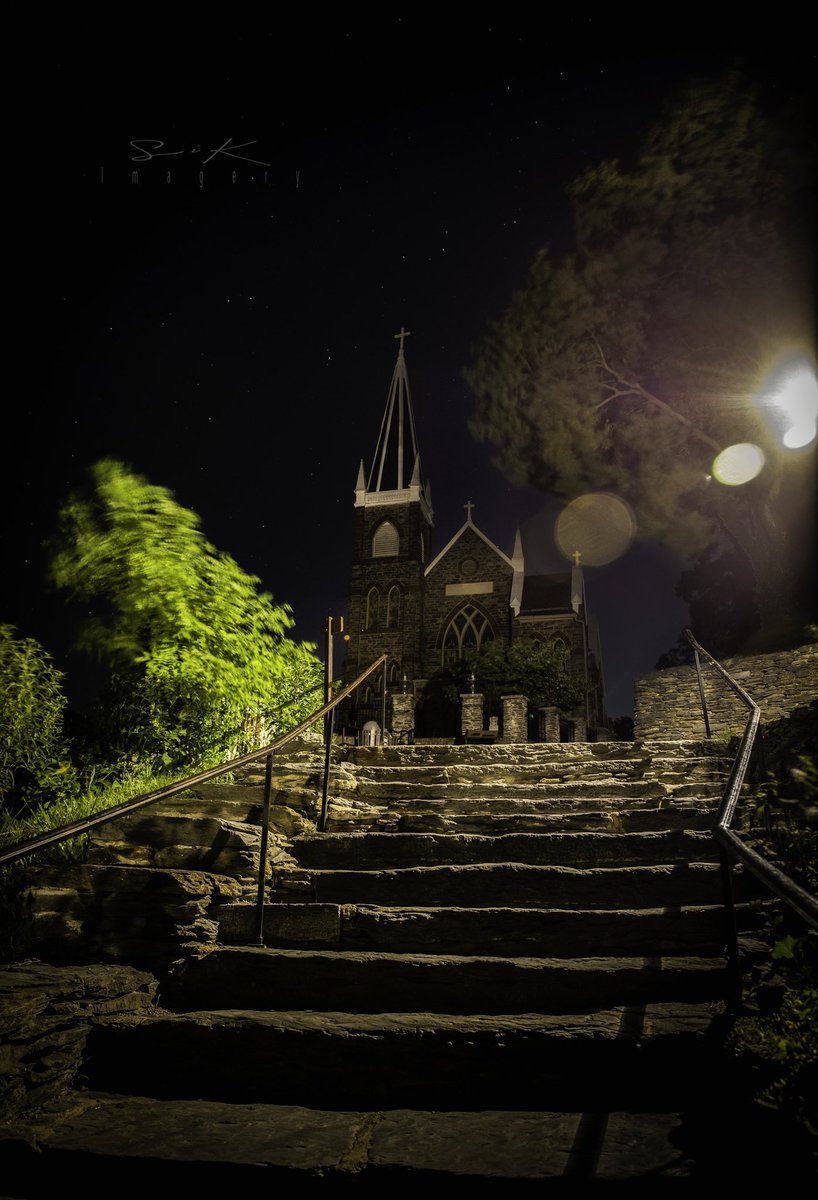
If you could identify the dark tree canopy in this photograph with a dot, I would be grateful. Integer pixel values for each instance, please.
(628, 363)
(525, 667)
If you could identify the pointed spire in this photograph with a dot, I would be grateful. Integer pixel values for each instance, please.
(517, 556)
(396, 473)
(396, 452)
(577, 583)
(518, 578)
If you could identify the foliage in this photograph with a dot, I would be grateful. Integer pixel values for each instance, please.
(781, 1051)
(99, 792)
(629, 362)
(96, 793)
(525, 668)
(199, 655)
(33, 757)
(777, 1040)
(719, 592)
(623, 729)
(784, 821)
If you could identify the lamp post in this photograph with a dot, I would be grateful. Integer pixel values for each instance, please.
(333, 625)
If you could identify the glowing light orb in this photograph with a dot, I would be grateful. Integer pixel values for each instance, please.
(738, 464)
(796, 395)
(599, 525)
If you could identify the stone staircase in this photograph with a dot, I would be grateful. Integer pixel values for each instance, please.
(498, 964)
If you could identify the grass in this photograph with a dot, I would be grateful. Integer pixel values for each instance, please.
(66, 810)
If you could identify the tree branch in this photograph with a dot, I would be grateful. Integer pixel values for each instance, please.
(631, 388)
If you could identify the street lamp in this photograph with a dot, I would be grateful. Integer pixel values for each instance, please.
(793, 391)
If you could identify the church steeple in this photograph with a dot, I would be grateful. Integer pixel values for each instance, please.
(395, 474)
(393, 540)
(397, 449)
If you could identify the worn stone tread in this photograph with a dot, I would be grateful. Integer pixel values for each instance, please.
(100, 1137)
(371, 981)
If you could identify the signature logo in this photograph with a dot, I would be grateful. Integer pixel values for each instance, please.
(150, 148)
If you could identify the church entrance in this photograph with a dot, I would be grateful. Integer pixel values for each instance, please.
(436, 717)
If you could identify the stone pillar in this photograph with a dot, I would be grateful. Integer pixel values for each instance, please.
(580, 729)
(550, 723)
(403, 716)
(471, 713)
(515, 718)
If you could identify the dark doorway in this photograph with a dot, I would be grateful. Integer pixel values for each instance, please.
(437, 717)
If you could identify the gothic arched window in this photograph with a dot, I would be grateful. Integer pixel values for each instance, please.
(561, 651)
(393, 608)
(385, 543)
(373, 608)
(468, 630)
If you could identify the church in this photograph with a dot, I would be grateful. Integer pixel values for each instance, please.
(428, 608)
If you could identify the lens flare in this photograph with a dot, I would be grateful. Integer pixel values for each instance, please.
(600, 525)
(738, 464)
(795, 394)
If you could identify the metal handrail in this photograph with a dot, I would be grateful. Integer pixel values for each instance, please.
(75, 828)
(779, 883)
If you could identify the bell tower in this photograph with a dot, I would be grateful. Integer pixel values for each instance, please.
(392, 543)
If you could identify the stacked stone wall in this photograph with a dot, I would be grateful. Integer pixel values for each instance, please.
(667, 703)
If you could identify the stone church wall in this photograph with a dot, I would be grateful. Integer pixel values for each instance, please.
(402, 641)
(667, 704)
(470, 560)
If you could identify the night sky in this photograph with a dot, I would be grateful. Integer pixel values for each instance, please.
(233, 340)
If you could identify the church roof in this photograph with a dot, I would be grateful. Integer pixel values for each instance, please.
(547, 594)
(467, 524)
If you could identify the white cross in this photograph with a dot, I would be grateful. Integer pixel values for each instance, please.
(404, 333)
(468, 507)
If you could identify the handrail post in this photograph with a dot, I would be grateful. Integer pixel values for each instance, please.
(701, 692)
(262, 854)
(383, 706)
(334, 625)
(731, 949)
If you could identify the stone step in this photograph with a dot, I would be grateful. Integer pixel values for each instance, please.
(515, 885)
(426, 1060)
(354, 981)
(73, 912)
(530, 790)
(499, 932)
(645, 750)
(201, 1145)
(379, 851)
(568, 805)
(519, 768)
(178, 843)
(490, 823)
(526, 775)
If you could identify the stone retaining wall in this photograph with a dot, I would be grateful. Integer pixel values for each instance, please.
(667, 703)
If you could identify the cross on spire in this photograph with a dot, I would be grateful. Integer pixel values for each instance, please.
(577, 555)
(404, 333)
(468, 507)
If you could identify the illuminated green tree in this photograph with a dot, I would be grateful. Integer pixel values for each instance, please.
(32, 709)
(200, 657)
(629, 362)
